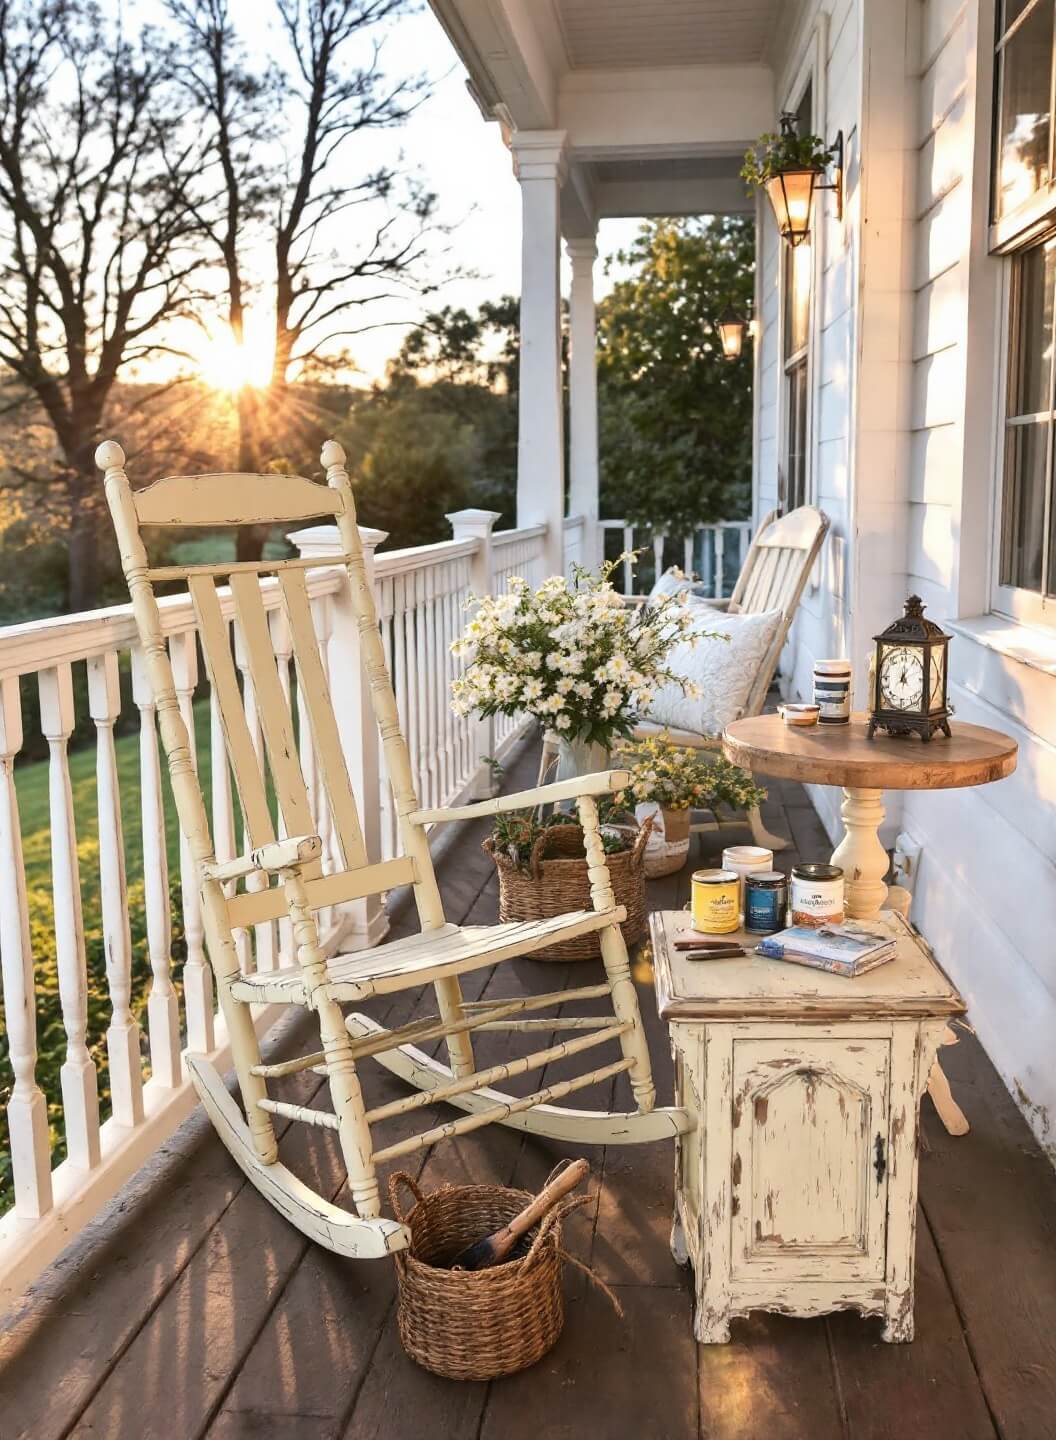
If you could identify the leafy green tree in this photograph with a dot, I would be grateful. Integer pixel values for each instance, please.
(675, 415)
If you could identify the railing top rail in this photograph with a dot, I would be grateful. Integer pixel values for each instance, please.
(421, 557)
(704, 525)
(510, 537)
(36, 645)
(575, 522)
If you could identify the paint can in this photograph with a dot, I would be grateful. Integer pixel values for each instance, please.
(832, 691)
(743, 860)
(765, 901)
(715, 901)
(816, 895)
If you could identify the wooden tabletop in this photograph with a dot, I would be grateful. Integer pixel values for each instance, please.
(912, 985)
(844, 755)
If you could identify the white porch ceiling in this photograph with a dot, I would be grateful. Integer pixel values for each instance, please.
(625, 34)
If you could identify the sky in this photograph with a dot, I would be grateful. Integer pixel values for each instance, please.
(460, 156)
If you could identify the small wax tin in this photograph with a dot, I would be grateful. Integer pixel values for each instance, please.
(716, 901)
(832, 691)
(765, 901)
(816, 895)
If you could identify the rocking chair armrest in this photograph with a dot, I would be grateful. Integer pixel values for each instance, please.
(605, 782)
(279, 855)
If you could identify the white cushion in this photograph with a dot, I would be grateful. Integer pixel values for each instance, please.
(724, 669)
(671, 582)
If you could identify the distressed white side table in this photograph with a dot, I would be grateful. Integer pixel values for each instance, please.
(797, 1191)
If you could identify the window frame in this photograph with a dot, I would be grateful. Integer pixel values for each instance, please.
(1011, 238)
(1028, 607)
(803, 359)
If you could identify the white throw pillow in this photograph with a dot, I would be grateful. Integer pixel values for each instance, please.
(671, 582)
(724, 669)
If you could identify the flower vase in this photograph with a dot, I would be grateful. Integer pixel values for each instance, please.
(668, 846)
(576, 756)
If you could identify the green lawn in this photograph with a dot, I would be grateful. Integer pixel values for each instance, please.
(32, 786)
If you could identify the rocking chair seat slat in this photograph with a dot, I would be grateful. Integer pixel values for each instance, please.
(448, 950)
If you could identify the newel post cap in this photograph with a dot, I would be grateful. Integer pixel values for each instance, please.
(109, 456)
(332, 454)
(472, 521)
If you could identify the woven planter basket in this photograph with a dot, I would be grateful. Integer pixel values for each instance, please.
(557, 885)
(476, 1324)
(666, 854)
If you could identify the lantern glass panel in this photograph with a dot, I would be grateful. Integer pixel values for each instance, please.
(938, 678)
(901, 678)
(731, 333)
(791, 194)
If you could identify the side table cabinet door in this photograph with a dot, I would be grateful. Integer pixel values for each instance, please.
(809, 1164)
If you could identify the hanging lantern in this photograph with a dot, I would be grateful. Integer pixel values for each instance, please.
(731, 327)
(909, 677)
(791, 190)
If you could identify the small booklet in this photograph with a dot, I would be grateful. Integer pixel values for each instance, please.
(836, 948)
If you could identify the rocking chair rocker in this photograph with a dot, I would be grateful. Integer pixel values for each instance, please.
(285, 879)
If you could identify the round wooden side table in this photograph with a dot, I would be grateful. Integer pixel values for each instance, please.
(844, 755)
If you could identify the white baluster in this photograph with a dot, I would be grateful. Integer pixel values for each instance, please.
(323, 618)
(27, 1111)
(163, 1016)
(198, 1002)
(80, 1093)
(122, 1036)
(720, 547)
(265, 946)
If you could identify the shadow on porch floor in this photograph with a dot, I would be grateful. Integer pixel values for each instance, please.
(191, 1309)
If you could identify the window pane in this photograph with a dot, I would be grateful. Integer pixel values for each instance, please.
(1022, 524)
(1023, 126)
(797, 436)
(1031, 348)
(799, 270)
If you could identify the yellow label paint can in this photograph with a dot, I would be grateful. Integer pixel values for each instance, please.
(716, 901)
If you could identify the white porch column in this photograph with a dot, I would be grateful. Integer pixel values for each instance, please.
(539, 161)
(583, 397)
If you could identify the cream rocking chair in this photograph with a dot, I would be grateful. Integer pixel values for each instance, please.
(287, 879)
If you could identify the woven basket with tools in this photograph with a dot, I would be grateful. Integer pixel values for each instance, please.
(559, 883)
(476, 1324)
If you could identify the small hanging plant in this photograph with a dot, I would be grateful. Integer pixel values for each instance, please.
(774, 155)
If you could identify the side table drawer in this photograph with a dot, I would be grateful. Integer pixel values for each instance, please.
(808, 1165)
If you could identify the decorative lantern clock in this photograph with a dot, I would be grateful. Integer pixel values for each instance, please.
(909, 680)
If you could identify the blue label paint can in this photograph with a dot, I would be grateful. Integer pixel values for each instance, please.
(765, 901)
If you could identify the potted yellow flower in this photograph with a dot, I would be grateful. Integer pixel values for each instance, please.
(667, 782)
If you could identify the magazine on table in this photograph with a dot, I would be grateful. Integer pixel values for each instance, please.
(839, 949)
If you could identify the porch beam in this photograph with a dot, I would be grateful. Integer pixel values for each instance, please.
(540, 164)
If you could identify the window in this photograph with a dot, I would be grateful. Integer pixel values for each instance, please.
(1023, 128)
(1027, 559)
(798, 268)
(1024, 228)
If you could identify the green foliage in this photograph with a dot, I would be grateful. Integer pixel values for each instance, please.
(675, 416)
(771, 154)
(442, 433)
(516, 831)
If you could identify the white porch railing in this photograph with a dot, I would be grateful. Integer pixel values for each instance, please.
(713, 553)
(421, 595)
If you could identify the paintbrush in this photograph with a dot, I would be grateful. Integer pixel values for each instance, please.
(710, 952)
(494, 1248)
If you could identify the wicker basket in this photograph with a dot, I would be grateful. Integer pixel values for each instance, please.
(557, 885)
(476, 1324)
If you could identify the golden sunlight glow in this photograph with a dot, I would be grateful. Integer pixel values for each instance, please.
(224, 365)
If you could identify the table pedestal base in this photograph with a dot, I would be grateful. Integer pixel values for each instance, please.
(863, 859)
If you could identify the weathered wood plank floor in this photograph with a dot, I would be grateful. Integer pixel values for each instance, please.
(191, 1309)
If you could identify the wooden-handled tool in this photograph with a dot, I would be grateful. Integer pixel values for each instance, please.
(494, 1248)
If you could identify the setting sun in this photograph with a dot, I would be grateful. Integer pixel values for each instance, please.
(225, 365)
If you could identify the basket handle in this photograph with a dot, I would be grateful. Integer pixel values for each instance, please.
(395, 1181)
(554, 1217)
(638, 853)
(535, 861)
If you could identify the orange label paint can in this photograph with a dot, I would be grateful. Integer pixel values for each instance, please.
(716, 901)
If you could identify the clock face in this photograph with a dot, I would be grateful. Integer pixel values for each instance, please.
(938, 667)
(901, 679)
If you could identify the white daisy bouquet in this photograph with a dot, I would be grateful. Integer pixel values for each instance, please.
(572, 654)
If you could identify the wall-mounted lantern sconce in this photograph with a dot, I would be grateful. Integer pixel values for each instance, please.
(797, 167)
